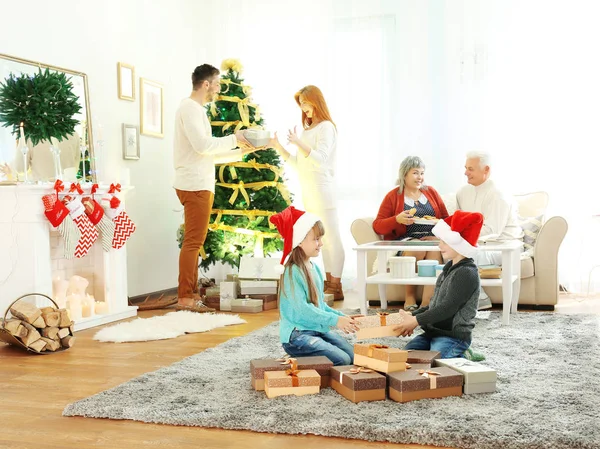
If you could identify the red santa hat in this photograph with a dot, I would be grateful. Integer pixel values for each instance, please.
(460, 231)
(293, 225)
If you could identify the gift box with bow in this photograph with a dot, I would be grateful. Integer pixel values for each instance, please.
(292, 381)
(427, 357)
(478, 378)
(412, 385)
(258, 367)
(357, 383)
(380, 325)
(381, 358)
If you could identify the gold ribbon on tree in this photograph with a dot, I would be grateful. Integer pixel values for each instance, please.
(243, 108)
(226, 125)
(251, 214)
(241, 187)
(245, 89)
(252, 163)
(222, 227)
(232, 172)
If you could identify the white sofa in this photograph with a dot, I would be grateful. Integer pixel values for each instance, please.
(539, 266)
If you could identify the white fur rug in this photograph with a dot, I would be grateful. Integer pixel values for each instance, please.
(166, 326)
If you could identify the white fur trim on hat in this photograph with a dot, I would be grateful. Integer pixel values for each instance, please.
(302, 227)
(453, 239)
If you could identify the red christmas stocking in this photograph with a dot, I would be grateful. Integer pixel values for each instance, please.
(89, 234)
(124, 227)
(58, 215)
(95, 213)
(103, 224)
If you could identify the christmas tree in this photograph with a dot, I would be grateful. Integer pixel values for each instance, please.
(247, 193)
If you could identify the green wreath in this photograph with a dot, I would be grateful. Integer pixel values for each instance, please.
(44, 102)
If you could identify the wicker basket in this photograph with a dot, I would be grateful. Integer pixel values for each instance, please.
(7, 337)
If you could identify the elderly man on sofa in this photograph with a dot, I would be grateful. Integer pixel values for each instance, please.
(500, 215)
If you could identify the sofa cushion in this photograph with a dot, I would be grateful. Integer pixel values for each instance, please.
(531, 228)
(527, 270)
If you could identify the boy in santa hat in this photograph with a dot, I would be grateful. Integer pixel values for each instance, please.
(305, 319)
(448, 320)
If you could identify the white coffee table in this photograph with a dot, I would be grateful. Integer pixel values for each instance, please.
(510, 281)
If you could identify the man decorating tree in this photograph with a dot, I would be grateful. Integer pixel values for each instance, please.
(194, 153)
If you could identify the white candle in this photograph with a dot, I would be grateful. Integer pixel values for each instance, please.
(86, 310)
(101, 308)
(74, 307)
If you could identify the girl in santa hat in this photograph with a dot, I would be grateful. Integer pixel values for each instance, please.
(448, 320)
(305, 319)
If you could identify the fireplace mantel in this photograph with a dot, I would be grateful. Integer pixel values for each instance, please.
(31, 255)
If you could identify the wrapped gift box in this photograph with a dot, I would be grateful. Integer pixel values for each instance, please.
(258, 367)
(246, 305)
(380, 325)
(418, 366)
(269, 301)
(380, 358)
(412, 385)
(212, 291)
(478, 378)
(212, 301)
(258, 287)
(427, 357)
(358, 384)
(259, 268)
(290, 382)
(228, 292)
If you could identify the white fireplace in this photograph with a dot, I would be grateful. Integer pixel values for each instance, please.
(31, 256)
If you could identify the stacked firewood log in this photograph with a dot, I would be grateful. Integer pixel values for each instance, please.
(41, 329)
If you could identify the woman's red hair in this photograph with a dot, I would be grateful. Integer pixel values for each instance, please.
(314, 96)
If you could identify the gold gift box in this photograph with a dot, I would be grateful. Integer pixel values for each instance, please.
(380, 325)
(292, 382)
(380, 358)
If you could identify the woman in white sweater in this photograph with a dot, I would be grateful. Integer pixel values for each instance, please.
(315, 162)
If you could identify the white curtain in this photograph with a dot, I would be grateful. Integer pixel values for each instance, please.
(360, 95)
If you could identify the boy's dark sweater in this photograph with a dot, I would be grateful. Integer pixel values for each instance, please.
(453, 307)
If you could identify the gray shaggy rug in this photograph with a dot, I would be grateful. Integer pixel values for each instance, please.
(548, 393)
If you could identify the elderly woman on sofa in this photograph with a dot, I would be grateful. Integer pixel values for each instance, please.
(396, 217)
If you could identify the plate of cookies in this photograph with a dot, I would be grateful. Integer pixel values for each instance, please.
(427, 220)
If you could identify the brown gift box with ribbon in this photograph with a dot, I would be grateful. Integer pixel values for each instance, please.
(269, 301)
(212, 301)
(380, 357)
(258, 367)
(413, 385)
(380, 325)
(292, 381)
(357, 383)
(428, 357)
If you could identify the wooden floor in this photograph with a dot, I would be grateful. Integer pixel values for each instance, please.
(35, 389)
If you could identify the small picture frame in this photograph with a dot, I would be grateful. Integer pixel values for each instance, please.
(151, 108)
(131, 142)
(126, 81)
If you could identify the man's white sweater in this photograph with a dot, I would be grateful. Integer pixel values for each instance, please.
(195, 150)
(499, 214)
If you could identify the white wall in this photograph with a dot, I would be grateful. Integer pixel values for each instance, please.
(161, 39)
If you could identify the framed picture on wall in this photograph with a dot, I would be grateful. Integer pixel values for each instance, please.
(126, 81)
(151, 108)
(131, 142)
